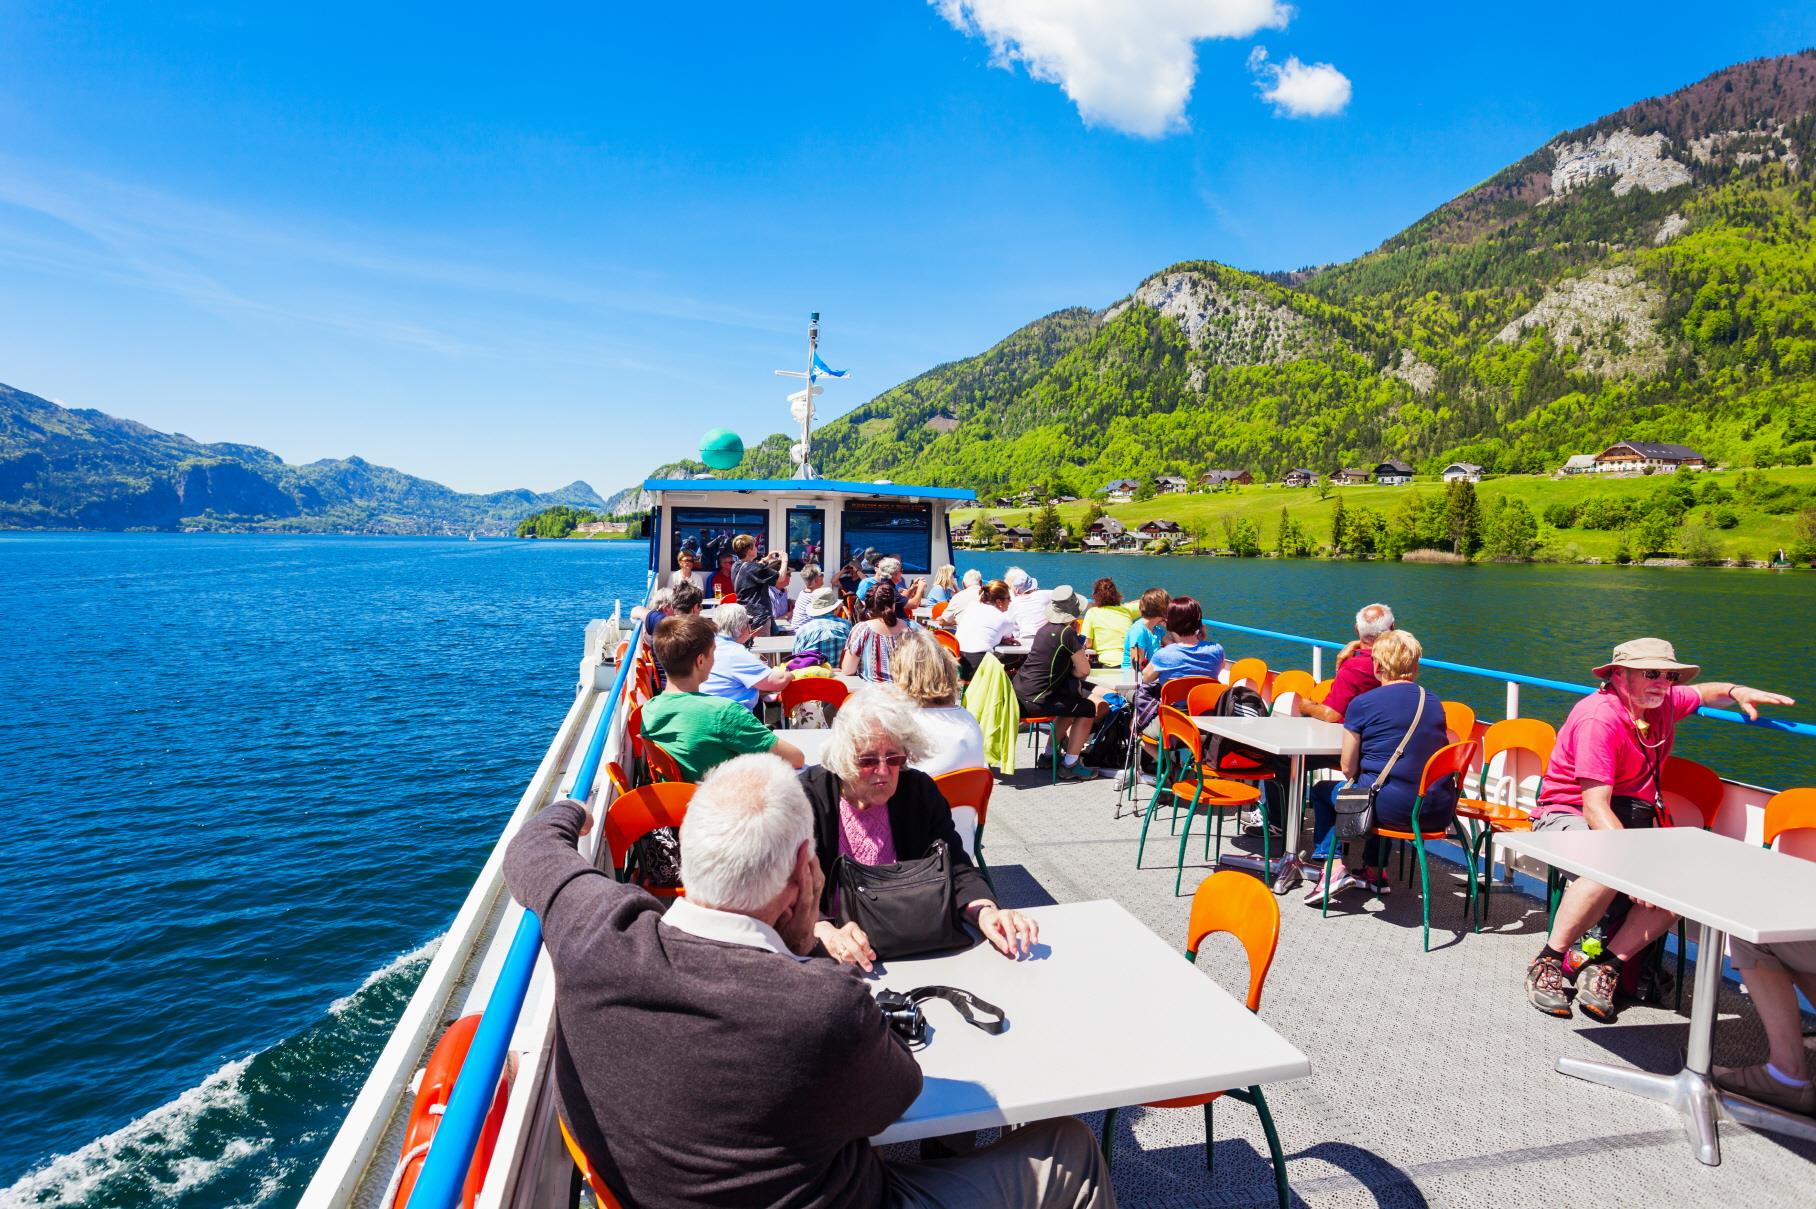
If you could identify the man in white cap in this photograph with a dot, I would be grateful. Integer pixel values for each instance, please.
(1604, 774)
(1027, 604)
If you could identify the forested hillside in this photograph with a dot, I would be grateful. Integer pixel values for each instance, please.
(1650, 276)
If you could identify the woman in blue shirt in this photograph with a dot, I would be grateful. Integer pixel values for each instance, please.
(1186, 652)
(1373, 726)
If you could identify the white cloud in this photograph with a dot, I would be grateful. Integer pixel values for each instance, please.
(1128, 65)
(1300, 90)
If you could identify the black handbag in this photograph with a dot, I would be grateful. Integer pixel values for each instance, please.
(905, 908)
(1356, 804)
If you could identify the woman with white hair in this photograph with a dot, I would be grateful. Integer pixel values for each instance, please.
(868, 805)
(924, 671)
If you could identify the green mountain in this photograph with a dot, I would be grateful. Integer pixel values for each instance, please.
(1650, 276)
(63, 468)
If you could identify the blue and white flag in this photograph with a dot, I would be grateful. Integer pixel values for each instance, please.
(821, 370)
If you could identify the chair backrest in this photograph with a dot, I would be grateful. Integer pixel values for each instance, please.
(640, 812)
(1792, 815)
(662, 766)
(948, 640)
(1451, 760)
(1696, 784)
(1460, 721)
(1321, 690)
(1509, 737)
(633, 731)
(829, 689)
(1203, 698)
(601, 1193)
(728, 598)
(1180, 729)
(967, 790)
(1293, 681)
(620, 782)
(1244, 907)
(939, 609)
(1252, 670)
(1174, 691)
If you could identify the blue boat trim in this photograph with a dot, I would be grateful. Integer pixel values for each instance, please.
(799, 486)
(444, 1170)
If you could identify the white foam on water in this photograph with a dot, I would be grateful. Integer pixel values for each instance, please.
(68, 1179)
(402, 961)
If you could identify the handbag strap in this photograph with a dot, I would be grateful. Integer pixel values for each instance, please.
(1381, 778)
(967, 1005)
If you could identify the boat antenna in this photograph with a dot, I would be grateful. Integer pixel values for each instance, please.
(801, 402)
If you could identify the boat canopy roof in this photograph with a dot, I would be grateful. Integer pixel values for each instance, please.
(823, 486)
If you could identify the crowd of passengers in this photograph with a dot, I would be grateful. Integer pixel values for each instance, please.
(726, 1051)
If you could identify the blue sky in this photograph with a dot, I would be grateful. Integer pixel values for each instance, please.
(516, 247)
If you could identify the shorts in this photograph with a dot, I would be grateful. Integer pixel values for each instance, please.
(1791, 956)
(1560, 820)
(1072, 706)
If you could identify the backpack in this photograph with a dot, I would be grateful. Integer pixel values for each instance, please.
(1108, 746)
(1225, 755)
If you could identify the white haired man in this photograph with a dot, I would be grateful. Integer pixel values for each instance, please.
(737, 673)
(1028, 603)
(1355, 666)
(962, 599)
(712, 1024)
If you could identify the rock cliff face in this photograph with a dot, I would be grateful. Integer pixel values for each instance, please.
(1422, 377)
(1632, 161)
(1608, 317)
(1227, 325)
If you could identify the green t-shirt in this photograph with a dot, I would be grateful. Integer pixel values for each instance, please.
(702, 731)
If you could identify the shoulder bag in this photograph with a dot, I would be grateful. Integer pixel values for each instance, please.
(905, 908)
(1355, 804)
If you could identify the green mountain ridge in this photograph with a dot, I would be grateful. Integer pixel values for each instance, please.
(1649, 276)
(64, 468)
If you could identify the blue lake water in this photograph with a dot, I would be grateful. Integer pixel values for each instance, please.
(246, 781)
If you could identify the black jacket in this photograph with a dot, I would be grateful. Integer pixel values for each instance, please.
(918, 815)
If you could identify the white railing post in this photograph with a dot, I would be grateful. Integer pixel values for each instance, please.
(1513, 699)
(1317, 663)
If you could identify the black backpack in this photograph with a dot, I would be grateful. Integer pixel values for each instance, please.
(1225, 755)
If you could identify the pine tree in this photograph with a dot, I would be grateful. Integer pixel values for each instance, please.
(1463, 518)
(1339, 535)
(1049, 531)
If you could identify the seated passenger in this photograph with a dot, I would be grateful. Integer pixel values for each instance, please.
(1604, 773)
(1773, 974)
(1372, 729)
(849, 579)
(687, 569)
(822, 631)
(869, 806)
(700, 730)
(1355, 666)
(985, 626)
(736, 673)
(924, 671)
(1054, 681)
(1148, 629)
(1184, 651)
(961, 600)
(700, 1059)
(1027, 603)
(812, 580)
(873, 640)
(944, 586)
(1106, 627)
(721, 581)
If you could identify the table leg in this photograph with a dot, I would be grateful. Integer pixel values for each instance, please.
(1689, 1090)
(1290, 872)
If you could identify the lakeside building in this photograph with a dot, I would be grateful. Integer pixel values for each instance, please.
(1106, 533)
(1351, 476)
(1170, 484)
(1298, 477)
(1578, 463)
(1394, 473)
(1640, 457)
(1120, 491)
(1218, 480)
(1462, 472)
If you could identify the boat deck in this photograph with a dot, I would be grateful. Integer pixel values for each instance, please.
(1433, 1081)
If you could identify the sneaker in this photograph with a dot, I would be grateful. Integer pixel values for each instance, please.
(1250, 820)
(1380, 885)
(1545, 986)
(1079, 771)
(1343, 881)
(1595, 987)
(1758, 1083)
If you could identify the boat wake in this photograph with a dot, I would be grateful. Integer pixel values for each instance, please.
(250, 1133)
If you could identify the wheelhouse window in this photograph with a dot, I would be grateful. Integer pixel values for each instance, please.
(806, 536)
(707, 532)
(904, 530)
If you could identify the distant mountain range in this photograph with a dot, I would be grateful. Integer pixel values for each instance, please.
(1650, 276)
(63, 468)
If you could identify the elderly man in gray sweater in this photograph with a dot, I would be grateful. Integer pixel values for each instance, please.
(712, 1057)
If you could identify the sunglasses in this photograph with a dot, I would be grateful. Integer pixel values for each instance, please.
(872, 763)
(1656, 674)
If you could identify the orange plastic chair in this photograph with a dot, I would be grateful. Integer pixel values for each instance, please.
(662, 766)
(1460, 721)
(601, 1193)
(1237, 905)
(1175, 691)
(1321, 690)
(1490, 818)
(1452, 761)
(938, 609)
(796, 693)
(1294, 681)
(1179, 733)
(642, 811)
(728, 598)
(970, 788)
(1252, 670)
(1697, 784)
(633, 732)
(620, 781)
(1203, 698)
(1791, 810)
(948, 640)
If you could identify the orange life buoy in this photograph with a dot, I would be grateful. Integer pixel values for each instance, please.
(432, 1100)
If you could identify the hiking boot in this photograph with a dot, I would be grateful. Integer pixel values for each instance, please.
(1545, 986)
(1076, 771)
(1758, 1083)
(1595, 988)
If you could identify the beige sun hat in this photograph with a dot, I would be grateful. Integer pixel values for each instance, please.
(822, 600)
(1646, 654)
(1064, 605)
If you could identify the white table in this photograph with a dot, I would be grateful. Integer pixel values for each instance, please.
(810, 739)
(1726, 887)
(772, 646)
(1121, 679)
(1082, 1032)
(1294, 738)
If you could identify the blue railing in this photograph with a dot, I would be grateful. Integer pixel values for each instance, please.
(1562, 686)
(444, 1171)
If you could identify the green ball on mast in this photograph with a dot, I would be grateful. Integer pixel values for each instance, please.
(721, 449)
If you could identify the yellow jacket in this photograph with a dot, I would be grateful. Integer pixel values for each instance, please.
(991, 700)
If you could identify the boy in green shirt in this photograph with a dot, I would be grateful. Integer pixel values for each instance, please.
(700, 731)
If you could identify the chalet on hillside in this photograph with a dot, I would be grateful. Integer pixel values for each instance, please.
(961, 531)
(1462, 472)
(1351, 476)
(1106, 533)
(1393, 473)
(1635, 457)
(1170, 484)
(941, 421)
(1217, 480)
(1016, 537)
(1578, 463)
(1164, 529)
(1120, 491)
(1298, 477)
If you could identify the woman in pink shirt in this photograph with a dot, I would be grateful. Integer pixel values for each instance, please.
(1604, 773)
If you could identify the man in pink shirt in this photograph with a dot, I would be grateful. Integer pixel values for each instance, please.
(1604, 773)
(1355, 666)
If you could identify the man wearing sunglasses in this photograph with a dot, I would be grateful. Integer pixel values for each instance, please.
(1604, 773)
